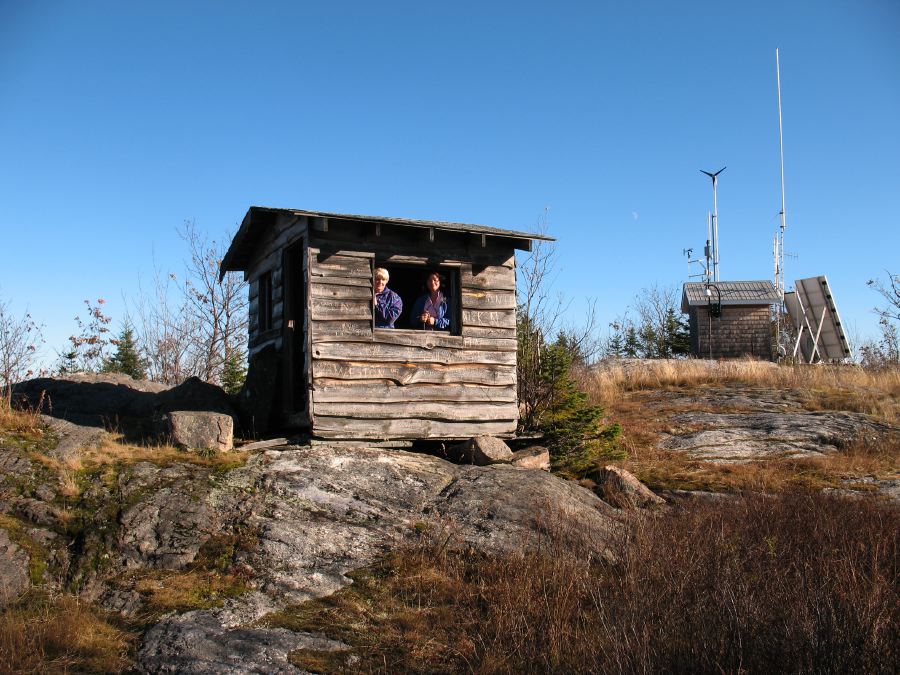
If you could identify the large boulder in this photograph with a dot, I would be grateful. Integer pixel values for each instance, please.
(194, 430)
(106, 400)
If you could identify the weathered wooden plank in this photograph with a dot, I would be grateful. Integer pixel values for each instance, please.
(343, 292)
(413, 373)
(488, 299)
(342, 427)
(488, 277)
(329, 331)
(341, 309)
(428, 410)
(425, 339)
(489, 332)
(341, 281)
(342, 252)
(361, 351)
(340, 266)
(386, 391)
(359, 331)
(491, 344)
(501, 318)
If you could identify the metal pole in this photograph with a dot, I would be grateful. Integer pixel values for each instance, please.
(716, 221)
(779, 277)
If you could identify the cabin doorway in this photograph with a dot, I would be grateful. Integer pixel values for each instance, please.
(294, 350)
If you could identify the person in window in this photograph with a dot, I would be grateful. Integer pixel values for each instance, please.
(388, 304)
(431, 311)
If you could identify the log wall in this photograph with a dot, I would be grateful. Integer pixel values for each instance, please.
(372, 383)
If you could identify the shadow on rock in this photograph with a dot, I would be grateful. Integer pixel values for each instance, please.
(117, 402)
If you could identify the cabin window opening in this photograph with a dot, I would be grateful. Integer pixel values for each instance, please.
(408, 281)
(264, 303)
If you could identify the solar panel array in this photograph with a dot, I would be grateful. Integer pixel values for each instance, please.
(813, 310)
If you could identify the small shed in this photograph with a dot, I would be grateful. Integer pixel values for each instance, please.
(730, 319)
(316, 359)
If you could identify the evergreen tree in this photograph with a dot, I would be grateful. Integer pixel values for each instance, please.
(573, 428)
(632, 345)
(126, 359)
(678, 334)
(68, 363)
(615, 344)
(234, 372)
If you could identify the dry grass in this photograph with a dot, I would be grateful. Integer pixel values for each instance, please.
(800, 583)
(115, 453)
(41, 634)
(24, 429)
(643, 397)
(663, 469)
(823, 387)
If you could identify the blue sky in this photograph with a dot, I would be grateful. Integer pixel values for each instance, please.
(118, 121)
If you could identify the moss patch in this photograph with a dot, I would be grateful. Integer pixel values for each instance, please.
(37, 554)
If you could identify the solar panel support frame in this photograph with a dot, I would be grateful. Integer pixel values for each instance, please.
(826, 341)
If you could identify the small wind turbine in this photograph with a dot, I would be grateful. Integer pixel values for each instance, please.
(714, 222)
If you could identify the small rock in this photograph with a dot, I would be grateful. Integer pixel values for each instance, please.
(481, 451)
(198, 430)
(620, 488)
(535, 457)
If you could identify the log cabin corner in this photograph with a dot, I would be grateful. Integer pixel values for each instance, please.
(318, 363)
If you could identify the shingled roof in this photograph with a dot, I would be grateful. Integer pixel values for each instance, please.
(258, 218)
(734, 293)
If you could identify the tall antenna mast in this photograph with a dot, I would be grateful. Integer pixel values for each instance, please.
(779, 275)
(714, 218)
(779, 238)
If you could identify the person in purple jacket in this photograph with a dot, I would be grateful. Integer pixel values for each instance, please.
(388, 304)
(431, 311)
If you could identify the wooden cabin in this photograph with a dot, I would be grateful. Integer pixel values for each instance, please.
(316, 359)
(732, 320)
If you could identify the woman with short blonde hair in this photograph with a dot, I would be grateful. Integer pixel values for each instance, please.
(388, 304)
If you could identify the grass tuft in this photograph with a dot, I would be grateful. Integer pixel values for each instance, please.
(60, 634)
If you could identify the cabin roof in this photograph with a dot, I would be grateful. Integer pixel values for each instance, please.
(734, 293)
(259, 218)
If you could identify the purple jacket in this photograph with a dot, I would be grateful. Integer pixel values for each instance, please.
(387, 309)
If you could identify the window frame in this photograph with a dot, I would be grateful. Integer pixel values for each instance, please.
(450, 272)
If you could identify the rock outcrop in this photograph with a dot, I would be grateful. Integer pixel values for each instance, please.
(13, 570)
(730, 437)
(319, 513)
(311, 515)
(112, 401)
